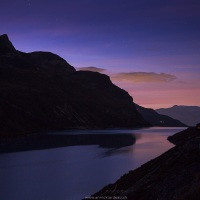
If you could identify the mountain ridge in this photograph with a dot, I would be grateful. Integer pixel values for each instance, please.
(157, 119)
(41, 91)
(189, 115)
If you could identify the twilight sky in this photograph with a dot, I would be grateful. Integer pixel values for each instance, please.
(151, 48)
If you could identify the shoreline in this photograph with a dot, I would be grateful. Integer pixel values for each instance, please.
(38, 140)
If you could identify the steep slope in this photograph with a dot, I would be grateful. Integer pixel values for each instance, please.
(156, 119)
(189, 115)
(41, 91)
(174, 175)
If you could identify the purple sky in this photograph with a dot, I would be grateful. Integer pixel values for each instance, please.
(150, 48)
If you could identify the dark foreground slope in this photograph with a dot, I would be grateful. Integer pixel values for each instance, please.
(157, 119)
(174, 175)
(41, 91)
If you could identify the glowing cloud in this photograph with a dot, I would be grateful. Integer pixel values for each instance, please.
(93, 69)
(143, 77)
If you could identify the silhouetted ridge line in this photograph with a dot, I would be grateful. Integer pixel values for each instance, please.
(41, 91)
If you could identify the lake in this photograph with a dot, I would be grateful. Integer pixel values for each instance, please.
(75, 172)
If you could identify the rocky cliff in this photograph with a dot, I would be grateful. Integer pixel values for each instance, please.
(41, 91)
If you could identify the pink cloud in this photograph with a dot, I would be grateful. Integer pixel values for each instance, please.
(143, 77)
(93, 69)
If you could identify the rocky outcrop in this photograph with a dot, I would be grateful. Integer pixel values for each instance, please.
(41, 91)
(190, 134)
(174, 175)
(6, 46)
(156, 119)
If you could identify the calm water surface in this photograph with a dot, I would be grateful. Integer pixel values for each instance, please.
(72, 173)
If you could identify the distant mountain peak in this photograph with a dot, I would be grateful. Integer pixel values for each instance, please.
(157, 119)
(6, 47)
(189, 115)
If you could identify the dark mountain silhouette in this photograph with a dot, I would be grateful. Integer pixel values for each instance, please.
(189, 115)
(41, 91)
(6, 46)
(157, 119)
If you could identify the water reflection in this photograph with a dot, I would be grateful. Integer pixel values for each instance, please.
(73, 172)
(116, 151)
(46, 141)
(103, 140)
